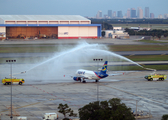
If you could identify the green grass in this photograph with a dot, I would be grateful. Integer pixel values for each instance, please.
(131, 68)
(32, 48)
(53, 48)
(138, 47)
(157, 67)
(148, 57)
(26, 49)
(152, 41)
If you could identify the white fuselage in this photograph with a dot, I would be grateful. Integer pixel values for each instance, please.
(87, 74)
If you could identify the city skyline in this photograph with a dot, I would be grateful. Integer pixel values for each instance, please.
(138, 13)
(79, 7)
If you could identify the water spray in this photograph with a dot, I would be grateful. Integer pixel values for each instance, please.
(86, 47)
(122, 57)
(154, 70)
(82, 46)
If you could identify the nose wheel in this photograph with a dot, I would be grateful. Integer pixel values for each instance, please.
(96, 81)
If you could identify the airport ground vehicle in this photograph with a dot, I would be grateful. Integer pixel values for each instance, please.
(156, 77)
(21, 118)
(50, 116)
(7, 81)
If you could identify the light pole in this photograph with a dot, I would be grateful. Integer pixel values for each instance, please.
(97, 80)
(149, 111)
(136, 107)
(11, 61)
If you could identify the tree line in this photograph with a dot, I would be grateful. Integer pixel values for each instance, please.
(153, 33)
(129, 21)
(112, 109)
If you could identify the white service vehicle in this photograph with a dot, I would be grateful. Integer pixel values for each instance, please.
(50, 116)
(21, 118)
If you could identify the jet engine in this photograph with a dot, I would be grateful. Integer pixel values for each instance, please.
(77, 78)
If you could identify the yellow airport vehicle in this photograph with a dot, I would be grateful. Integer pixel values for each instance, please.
(7, 81)
(156, 77)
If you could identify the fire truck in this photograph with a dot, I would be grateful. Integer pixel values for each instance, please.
(156, 77)
(7, 81)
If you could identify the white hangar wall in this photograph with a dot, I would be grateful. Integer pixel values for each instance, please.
(71, 32)
(2, 32)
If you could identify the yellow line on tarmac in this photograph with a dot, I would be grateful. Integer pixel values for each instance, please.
(22, 106)
(28, 105)
(135, 95)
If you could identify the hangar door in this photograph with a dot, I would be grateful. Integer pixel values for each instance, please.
(73, 32)
(31, 32)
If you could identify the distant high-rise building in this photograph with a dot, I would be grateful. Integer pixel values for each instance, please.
(165, 16)
(128, 13)
(106, 16)
(114, 14)
(140, 13)
(119, 14)
(110, 14)
(99, 14)
(146, 12)
(133, 13)
(152, 15)
(160, 16)
(125, 16)
(138, 10)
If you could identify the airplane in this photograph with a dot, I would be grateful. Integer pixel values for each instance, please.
(82, 74)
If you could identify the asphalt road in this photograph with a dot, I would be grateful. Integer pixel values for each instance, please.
(132, 40)
(142, 53)
(124, 53)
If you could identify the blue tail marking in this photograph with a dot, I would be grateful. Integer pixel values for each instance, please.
(104, 68)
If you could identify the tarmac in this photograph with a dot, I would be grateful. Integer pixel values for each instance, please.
(38, 96)
(34, 98)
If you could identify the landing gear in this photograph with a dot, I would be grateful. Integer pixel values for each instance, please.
(84, 81)
(96, 81)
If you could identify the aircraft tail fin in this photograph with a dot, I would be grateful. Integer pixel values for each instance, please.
(104, 68)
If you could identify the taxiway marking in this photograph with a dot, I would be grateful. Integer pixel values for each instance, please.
(135, 95)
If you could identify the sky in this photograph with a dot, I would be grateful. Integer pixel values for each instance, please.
(78, 7)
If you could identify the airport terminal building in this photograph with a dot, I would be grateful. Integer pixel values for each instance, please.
(48, 26)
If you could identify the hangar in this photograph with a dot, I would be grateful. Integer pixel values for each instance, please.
(48, 26)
